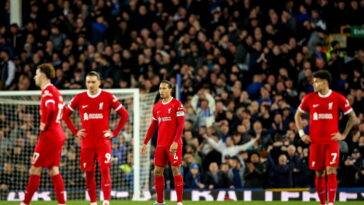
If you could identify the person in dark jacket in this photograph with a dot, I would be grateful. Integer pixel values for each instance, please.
(254, 174)
(215, 178)
(281, 173)
(194, 178)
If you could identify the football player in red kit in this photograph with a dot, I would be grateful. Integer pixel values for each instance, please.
(94, 106)
(168, 116)
(47, 153)
(324, 106)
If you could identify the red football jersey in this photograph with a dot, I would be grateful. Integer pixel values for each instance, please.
(94, 113)
(324, 114)
(166, 114)
(50, 94)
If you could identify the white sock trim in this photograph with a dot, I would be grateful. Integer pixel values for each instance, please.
(93, 203)
(105, 202)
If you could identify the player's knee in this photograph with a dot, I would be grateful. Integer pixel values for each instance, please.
(320, 173)
(158, 171)
(35, 170)
(176, 170)
(53, 171)
(331, 170)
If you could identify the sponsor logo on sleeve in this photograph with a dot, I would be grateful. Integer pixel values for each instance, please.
(180, 113)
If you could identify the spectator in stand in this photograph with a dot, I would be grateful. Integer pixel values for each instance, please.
(215, 178)
(204, 105)
(255, 171)
(194, 178)
(228, 148)
(7, 70)
(236, 172)
(281, 172)
(7, 180)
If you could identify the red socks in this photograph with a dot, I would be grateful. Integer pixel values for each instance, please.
(59, 188)
(320, 183)
(33, 184)
(159, 188)
(178, 185)
(106, 183)
(331, 187)
(91, 185)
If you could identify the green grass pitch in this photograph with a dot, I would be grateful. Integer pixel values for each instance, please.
(186, 203)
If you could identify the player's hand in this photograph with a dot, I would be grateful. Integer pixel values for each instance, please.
(143, 149)
(108, 134)
(42, 126)
(81, 133)
(337, 136)
(306, 139)
(173, 148)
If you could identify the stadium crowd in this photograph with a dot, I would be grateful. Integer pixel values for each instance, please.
(245, 67)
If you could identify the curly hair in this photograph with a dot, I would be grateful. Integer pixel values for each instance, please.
(48, 70)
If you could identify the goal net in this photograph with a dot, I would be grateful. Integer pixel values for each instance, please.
(19, 130)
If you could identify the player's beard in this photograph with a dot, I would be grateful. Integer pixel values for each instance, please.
(316, 89)
(161, 95)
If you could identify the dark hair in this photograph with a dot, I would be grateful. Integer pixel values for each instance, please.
(48, 70)
(168, 83)
(322, 74)
(94, 73)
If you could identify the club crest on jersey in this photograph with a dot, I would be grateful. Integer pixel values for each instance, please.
(330, 105)
(169, 110)
(101, 105)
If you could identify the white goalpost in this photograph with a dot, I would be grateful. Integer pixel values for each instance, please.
(19, 123)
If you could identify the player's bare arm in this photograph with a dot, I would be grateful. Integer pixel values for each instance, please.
(41, 126)
(149, 135)
(298, 119)
(353, 120)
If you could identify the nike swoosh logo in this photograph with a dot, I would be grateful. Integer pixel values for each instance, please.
(84, 106)
(315, 105)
